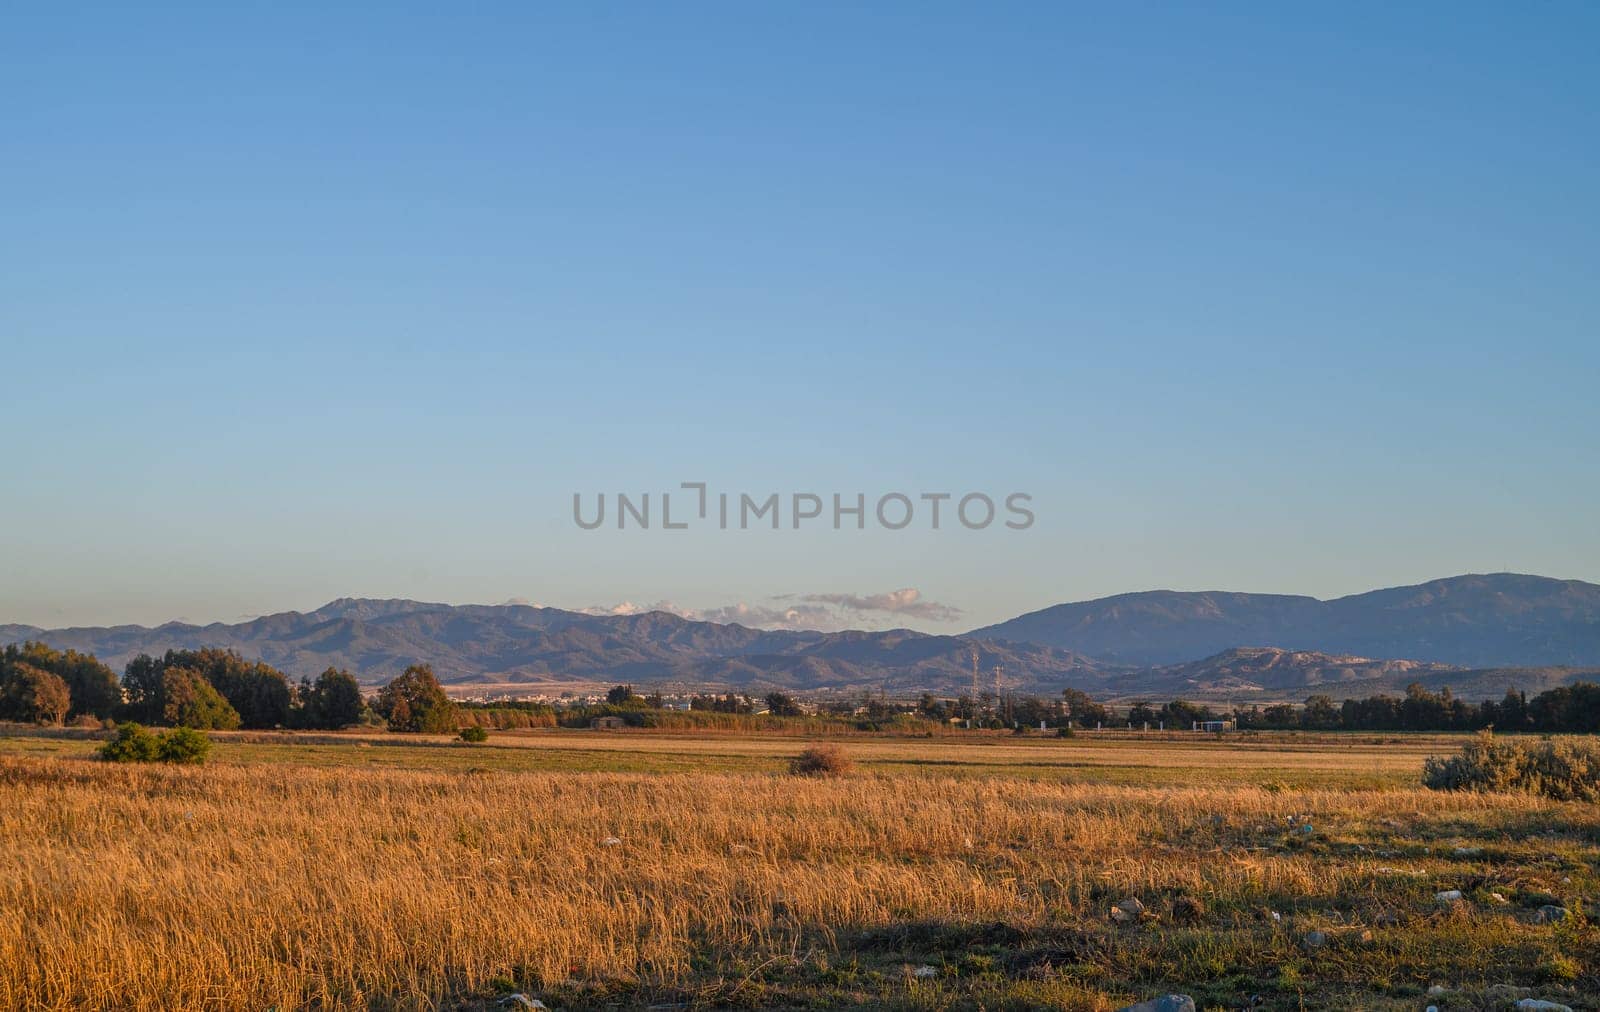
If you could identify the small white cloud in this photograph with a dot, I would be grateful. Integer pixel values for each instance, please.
(905, 601)
(821, 612)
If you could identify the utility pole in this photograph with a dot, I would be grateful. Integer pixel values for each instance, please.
(973, 719)
(997, 696)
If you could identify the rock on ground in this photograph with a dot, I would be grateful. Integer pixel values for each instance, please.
(1165, 1003)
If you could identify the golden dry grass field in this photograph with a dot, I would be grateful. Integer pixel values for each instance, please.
(342, 871)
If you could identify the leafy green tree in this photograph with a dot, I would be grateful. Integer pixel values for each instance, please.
(141, 687)
(191, 701)
(1280, 715)
(92, 686)
(416, 702)
(1180, 714)
(1142, 713)
(33, 694)
(258, 692)
(1320, 714)
(1029, 711)
(621, 695)
(331, 702)
(1082, 709)
(781, 704)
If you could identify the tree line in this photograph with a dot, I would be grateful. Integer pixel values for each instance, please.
(217, 689)
(1567, 709)
(210, 689)
(205, 689)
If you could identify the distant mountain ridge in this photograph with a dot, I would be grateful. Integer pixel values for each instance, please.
(510, 644)
(1245, 673)
(1480, 631)
(1477, 621)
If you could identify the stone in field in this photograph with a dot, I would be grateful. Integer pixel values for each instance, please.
(1165, 1003)
(1550, 914)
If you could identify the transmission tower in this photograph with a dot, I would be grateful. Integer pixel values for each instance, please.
(973, 720)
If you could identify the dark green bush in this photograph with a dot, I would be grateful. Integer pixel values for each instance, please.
(474, 734)
(184, 745)
(134, 744)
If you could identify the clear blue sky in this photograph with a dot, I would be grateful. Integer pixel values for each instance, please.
(300, 302)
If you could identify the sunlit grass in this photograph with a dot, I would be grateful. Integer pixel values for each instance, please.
(339, 875)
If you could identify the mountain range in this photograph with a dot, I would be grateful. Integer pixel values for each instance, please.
(1480, 631)
(1503, 619)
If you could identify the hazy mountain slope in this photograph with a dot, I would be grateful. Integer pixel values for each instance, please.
(18, 633)
(1479, 621)
(900, 663)
(1501, 619)
(1158, 626)
(516, 643)
(1260, 671)
(1143, 644)
(1263, 673)
(1491, 683)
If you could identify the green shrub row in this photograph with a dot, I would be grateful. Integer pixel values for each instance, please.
(135, 744)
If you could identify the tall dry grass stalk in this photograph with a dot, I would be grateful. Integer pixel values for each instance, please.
(250, 887)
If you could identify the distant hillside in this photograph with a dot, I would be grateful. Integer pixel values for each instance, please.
(1499, 620)
(901, 661)
(1469, 632)
(520, 644)
(1249, 674)
(1270, 671)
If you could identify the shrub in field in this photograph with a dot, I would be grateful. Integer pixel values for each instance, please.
(821, 761)
(1563, 769)
(474, 734)
(184, 745)
(134, 744)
